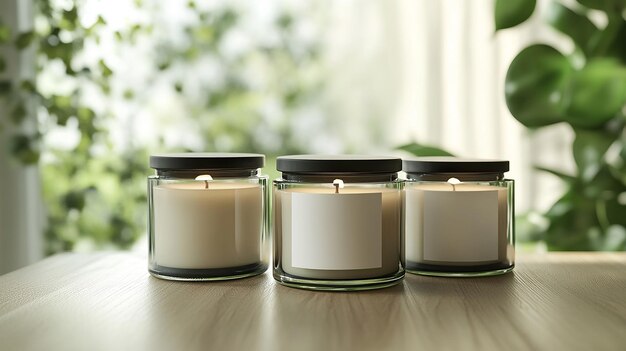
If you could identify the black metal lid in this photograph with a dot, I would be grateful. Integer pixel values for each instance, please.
(191, 161)
(304, 164)
(453, 165)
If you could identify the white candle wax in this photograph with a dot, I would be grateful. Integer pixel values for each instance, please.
(464, 224)
(198, 228)
(352, 234)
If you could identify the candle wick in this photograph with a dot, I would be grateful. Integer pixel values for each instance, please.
(337, 183)
(453, 182)
(206, 178)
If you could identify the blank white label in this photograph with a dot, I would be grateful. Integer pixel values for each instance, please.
(461, 226)
(336, 231)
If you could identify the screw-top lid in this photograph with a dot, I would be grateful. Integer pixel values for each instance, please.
(453, 165)
(309, 164)
(192, 161)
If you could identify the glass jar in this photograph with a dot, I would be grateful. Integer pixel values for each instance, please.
(459, 217)
(208, 216)
(338, 222)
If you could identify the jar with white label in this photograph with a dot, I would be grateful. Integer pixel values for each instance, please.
(338, 222)
(208, 216)
(458, 217)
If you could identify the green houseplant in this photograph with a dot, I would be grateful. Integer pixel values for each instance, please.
(585, 88)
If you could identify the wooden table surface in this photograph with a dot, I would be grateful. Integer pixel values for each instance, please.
(574, 301)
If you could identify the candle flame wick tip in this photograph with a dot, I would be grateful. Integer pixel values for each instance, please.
(337, 183)
(454, 182)
(206, 179)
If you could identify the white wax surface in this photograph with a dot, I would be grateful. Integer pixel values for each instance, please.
(466, 224)
(350, 235)
(198, 228)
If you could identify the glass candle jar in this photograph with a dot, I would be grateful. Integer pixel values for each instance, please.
(459, 217)
(207, 216)
(337, 222)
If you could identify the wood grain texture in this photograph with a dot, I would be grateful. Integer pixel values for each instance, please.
(109, 302)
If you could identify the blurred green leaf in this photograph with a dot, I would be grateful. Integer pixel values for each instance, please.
(589, 148)
(106, 71)
(24, 39)
(5, 34)
(284, 21)
(74, 199)
(129, 94)
(162, 66)
(291, 97)
(28, 86)
(69, 19)
(605, 39)
(135, 29)
(607, 192)
(603, 187)
(52, 47)
(61, 107)
(424, 150)
(571, 219)
(85, 114)
(105, 86)
(86, 122)
(225, 20)
(613, 239)
(616, 47)
(100, 21)
(204, 34)
(573, 24)
(62, 101)
(615, 211)
(24, 148)
(565, 177)
(618, 166)
(3, 64)
(534, 85)
(71, 14)
(605, 5)
(595, 94)
(5, 87)
(510, 13)
(18, 114)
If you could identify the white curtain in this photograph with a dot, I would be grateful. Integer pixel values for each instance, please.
(433, 72)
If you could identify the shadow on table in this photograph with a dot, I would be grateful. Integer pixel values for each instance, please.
(427, 286)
